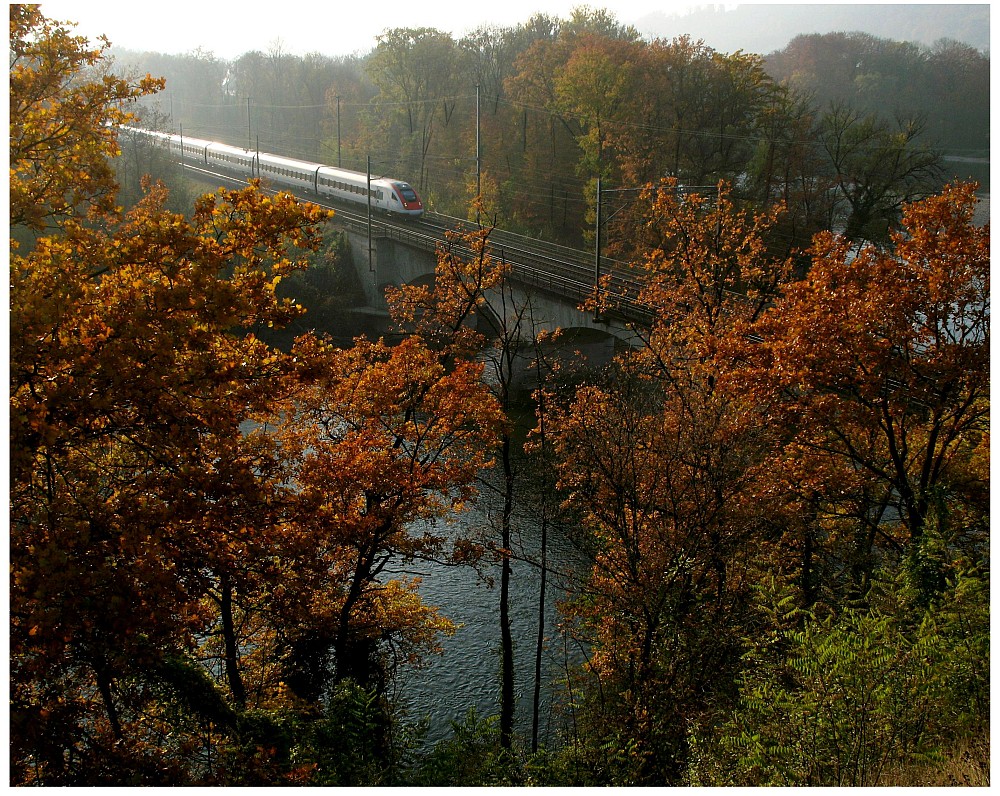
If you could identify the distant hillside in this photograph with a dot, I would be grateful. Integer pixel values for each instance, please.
(765, 28)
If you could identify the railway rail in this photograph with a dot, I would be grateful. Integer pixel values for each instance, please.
(559, 270)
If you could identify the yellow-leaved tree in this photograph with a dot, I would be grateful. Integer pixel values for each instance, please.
(190, 507)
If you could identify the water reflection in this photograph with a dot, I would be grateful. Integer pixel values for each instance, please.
(467, 674)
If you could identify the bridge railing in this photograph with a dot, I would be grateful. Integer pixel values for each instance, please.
(569, 281)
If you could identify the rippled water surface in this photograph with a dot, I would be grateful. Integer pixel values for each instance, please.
(466, 675)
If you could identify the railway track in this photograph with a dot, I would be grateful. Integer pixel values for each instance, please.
(565, 272)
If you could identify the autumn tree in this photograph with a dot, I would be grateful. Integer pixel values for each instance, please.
(127, 390)
(660, 460)
(179, 560)
(875, 168)
(52, 114)
(877, 367)
(381, 441)
(127, 393)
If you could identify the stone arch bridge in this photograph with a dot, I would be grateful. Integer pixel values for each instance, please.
(551, 287)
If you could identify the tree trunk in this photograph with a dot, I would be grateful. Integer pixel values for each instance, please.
(104, 686)
(540, 639)
(231, 647)
(506, 639)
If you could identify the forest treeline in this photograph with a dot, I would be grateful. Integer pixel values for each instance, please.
(840, 127)
(781, 490)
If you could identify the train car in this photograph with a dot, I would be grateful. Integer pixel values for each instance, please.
(186, 148)
(389, 195)
(243, 162)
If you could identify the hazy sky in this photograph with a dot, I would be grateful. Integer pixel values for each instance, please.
(335, 27)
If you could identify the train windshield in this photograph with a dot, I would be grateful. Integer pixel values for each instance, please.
(406, 192)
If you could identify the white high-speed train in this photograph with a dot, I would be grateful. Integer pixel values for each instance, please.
(387, 194)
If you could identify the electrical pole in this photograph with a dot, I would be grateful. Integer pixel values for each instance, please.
(338, 132)
(479, 175)
(597, 257)
(371, 260)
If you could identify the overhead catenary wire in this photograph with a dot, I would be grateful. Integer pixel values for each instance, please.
(533, 194)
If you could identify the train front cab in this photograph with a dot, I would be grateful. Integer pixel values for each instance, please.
(404, 200)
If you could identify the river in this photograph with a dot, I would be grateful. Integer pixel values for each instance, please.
(467, 673)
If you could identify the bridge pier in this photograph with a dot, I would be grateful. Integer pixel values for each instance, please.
(391, 263)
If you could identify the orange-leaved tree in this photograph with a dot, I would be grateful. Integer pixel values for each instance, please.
(876, 367)
(660, 461)
(144, 518)
(128, 388)
(61, 127)
(381, 441)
